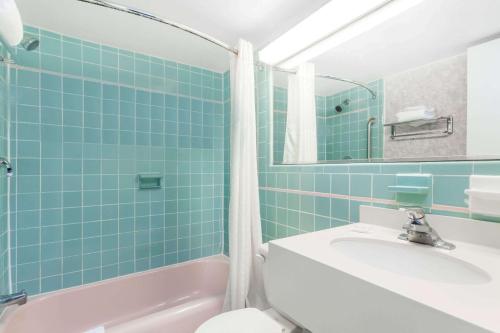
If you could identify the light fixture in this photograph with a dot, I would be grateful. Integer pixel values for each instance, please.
(331, 25)
(329, 18)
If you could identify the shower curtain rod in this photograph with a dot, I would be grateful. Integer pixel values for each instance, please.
(140, 13)
(330, 77)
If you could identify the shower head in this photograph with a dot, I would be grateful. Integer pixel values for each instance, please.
(345, 102)
(30, 43)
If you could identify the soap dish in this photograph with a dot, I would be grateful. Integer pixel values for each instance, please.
(149, 181)
(409, 189)
(412, 183)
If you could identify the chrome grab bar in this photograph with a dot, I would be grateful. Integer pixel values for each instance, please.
(369, 124)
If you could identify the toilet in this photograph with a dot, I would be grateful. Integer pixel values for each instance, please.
(250, 320)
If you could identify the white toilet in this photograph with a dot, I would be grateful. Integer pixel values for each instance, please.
(250, 320)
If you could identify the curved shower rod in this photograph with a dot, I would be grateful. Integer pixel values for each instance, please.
(140, 13)
(331, 77)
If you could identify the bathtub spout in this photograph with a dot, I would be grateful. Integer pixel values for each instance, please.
(18, 298)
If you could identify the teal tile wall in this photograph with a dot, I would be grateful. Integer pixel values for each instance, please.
(87, 119)
(299, 199)
(4, 105)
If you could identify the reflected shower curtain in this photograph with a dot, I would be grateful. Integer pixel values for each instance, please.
(301, 140)
(245, 234)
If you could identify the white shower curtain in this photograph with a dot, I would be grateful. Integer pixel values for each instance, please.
(301, 141)
(245, 234)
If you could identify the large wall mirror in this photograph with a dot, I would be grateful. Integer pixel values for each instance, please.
(422, 91)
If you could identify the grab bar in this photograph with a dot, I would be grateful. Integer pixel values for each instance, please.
(369, 124)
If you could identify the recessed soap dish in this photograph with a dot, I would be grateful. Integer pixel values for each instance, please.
(149, 181)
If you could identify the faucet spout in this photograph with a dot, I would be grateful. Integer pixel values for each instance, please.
(18, 298)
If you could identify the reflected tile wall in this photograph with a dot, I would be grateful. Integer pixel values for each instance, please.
(346, 134)
(342, 135)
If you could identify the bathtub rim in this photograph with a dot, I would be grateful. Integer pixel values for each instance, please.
(10, 310)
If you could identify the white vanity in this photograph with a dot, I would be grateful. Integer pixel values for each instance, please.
(362, 278)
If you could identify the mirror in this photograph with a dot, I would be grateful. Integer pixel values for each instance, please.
(422, 92)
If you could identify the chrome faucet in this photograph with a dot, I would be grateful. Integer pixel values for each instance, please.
(418, 230)
(5, 163)
(18, 298)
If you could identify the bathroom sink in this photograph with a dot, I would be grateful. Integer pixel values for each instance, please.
(362, 278)
(413, 260)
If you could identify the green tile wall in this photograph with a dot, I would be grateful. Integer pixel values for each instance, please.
(4, 104)
(299, 199)
(87, 118)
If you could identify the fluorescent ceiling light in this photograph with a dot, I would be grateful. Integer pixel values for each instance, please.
(323, 22)
(367, 23)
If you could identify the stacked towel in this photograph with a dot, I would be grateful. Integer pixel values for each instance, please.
(11, 26)
(416, 113)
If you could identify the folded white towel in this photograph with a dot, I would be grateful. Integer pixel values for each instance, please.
(11, 26)
(416, 113)
(416, 108)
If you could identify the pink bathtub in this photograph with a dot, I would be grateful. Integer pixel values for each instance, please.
(174, 299)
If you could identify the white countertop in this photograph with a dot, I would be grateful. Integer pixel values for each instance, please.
(478, 304)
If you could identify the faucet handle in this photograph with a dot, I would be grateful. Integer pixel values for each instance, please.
(416, 220)
(415, 214)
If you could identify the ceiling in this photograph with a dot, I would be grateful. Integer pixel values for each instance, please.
(431, 31)
(258, 21)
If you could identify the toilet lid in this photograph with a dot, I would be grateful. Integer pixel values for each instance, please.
(241, 321)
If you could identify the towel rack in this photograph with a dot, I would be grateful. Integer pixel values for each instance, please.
(431, 133)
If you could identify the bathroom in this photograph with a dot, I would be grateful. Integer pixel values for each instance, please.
(249, 166)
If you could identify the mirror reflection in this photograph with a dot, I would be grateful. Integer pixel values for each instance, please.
(396, 92)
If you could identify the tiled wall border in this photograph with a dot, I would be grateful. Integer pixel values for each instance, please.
(444, 208)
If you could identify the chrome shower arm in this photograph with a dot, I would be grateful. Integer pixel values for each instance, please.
(5, 163)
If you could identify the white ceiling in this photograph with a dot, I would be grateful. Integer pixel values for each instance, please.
(258, 21)
(434, 30)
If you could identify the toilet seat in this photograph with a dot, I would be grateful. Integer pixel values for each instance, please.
(248, 320)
